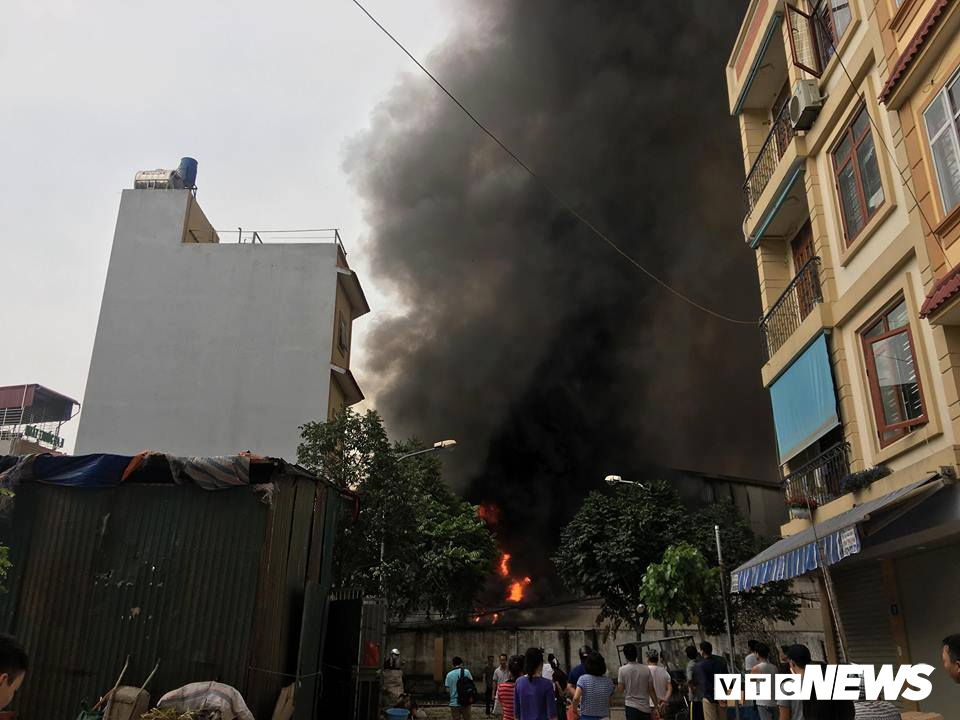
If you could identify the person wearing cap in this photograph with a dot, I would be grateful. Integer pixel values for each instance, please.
(393, 660)
(392, 678)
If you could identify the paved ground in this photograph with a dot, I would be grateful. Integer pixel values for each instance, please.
(443, 713)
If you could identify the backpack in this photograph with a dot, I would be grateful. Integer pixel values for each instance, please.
(466, 690)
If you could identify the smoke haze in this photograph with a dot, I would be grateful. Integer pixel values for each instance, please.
(548, 357)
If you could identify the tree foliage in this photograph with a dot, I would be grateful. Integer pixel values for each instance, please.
(606, 548)
(751, 609)
(678, 587)
(615, 538)
(437, 551)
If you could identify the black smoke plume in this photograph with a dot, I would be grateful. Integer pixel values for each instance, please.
(550, 358)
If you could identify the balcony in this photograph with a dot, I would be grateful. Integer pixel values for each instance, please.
(791, 308)
(773, 148)
(819, 479)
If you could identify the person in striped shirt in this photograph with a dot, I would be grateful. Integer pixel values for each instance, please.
(506, 686)
(594, 688)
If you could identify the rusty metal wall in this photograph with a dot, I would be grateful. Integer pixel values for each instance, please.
(152, 571)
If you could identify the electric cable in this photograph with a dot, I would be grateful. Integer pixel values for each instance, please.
(547, 188)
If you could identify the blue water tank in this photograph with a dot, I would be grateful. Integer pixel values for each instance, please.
(188, 171)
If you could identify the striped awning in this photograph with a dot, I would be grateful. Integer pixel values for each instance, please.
(839, 537)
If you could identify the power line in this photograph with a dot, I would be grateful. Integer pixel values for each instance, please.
(546, 187)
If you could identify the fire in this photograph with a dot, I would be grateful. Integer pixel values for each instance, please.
(516, 589)
(504, 564)
(476, 619)
(489, 513)
(496, 616)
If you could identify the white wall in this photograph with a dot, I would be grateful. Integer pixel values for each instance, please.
(206, 349)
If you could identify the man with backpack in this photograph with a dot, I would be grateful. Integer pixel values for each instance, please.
(462, 689)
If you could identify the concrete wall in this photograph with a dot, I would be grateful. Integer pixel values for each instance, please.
(206, 348)
(474, 644)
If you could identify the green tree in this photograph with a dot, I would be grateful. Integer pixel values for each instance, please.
(607, 546)
(677, 588)
(437, 551)
(751, 610)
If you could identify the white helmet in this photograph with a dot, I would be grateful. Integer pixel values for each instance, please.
(394, 652)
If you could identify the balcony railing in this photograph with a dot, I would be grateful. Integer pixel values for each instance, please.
(773, 148)
(791, 308)
(819, 479)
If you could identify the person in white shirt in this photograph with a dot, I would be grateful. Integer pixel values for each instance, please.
(662, 683)
(547, 671)
(636, 682)
(751, 660)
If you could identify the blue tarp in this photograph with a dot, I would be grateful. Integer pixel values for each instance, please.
(804, 401)
(79, 470)
(103, 470)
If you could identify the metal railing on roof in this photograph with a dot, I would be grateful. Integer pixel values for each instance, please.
(264, 237)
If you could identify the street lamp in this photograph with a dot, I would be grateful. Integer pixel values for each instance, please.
(439, 445)
(614, 480)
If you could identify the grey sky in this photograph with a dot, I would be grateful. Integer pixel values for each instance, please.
(264, 95)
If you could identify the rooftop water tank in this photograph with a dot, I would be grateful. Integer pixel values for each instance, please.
(188, 171)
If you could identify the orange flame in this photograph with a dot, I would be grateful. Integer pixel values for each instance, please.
(496, 616)
(504, 564)
(516, 590)
(489, 513)
(476, 619)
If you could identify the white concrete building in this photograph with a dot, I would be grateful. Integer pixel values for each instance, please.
(207, 346)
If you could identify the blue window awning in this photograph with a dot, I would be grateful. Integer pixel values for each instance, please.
(804, 401)
(839, 538)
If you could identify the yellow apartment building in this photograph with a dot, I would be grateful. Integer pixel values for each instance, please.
(849, 112)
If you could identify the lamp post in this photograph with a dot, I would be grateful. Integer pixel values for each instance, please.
(614, 480)
(439, 445)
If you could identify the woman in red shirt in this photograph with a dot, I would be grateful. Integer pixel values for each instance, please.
(505, 689)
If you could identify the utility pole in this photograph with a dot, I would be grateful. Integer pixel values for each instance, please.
(726, 605)
(384, 605)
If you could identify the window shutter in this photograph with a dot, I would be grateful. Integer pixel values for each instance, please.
(803, 40)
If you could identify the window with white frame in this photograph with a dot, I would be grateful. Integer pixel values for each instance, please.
(943, 120)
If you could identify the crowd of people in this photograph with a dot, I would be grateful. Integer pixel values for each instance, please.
(533, 686)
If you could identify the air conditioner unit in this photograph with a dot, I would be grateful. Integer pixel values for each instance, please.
(805, 104)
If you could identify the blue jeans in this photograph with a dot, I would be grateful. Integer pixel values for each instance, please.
(768, 713)
(634, 714)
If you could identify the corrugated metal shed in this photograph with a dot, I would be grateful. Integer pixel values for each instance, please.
(211, 583)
